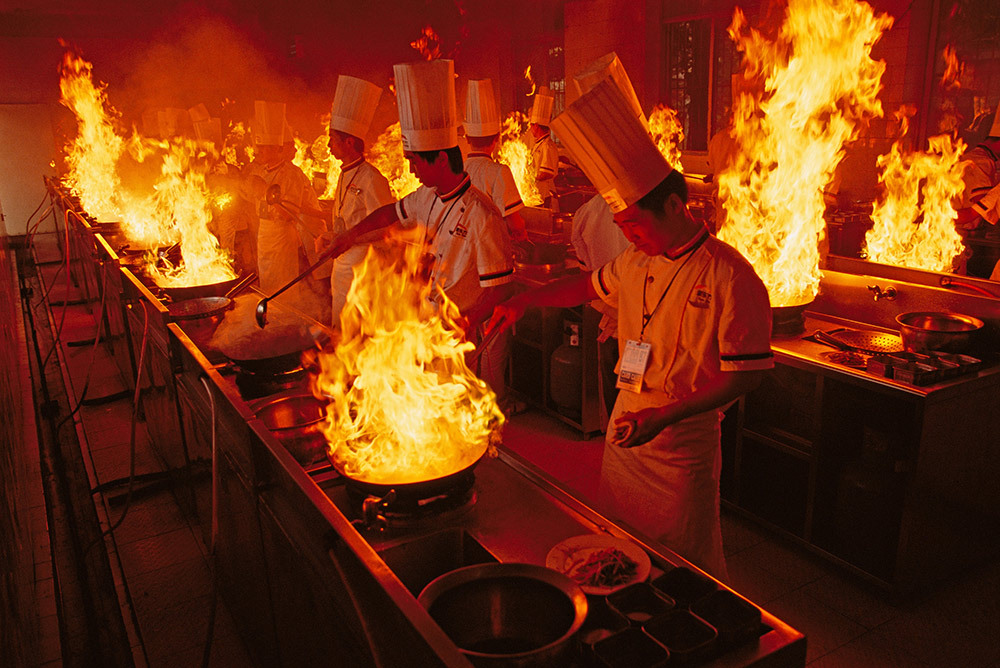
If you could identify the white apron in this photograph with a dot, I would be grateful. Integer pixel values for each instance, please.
(668, 488)
(278, 256)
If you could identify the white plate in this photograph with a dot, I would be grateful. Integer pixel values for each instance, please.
(562, 556)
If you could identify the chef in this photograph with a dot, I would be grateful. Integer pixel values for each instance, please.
(693, 330)
(471, 258)
(981, 197)
(595, 237)
(544, 152)
(278, 237)
(482, 130)
(361, 188)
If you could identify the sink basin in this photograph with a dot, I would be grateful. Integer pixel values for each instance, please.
(417, 561)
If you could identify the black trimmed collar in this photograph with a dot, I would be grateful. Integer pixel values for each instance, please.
(458, 190)
(479, 154)
(692, 245)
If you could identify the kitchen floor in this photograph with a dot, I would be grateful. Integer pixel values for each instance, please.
(164, 578)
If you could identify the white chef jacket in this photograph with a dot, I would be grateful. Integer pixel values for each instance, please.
(467, 236)
(980, 176)
(278, 237)
(709, 313)
(360, 190)
(545, 156)
(495, 180)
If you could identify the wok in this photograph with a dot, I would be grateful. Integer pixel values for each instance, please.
(218, 289)
(206, 307)
(937, 330)
(422, 489)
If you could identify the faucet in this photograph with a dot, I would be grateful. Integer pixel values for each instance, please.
(889, 293)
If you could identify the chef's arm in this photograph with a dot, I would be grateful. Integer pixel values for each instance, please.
(371, 229)
(631, 429)
(566, 292)
(516, 226)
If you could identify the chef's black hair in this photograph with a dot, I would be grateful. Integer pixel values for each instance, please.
(454, 157)
(673, 184)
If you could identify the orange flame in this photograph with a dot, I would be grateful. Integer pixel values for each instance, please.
(514, 152)
(667, 132)
(156, 189)
(404, 407)
(238, 146)
(914, 218)
(428, 44)
(531, 80)
(386, 155)
(820, 84)
(953, 69)
(315, 156)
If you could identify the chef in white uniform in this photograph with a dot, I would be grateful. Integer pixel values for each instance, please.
(482, 130)
(694, 332)
(278, 237)
(544, 152)
(981, 197)
(464, 231)
(361, 188)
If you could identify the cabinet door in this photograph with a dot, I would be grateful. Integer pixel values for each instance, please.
(240, 566)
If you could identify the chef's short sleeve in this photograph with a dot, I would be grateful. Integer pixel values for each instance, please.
(745, 322)
(511, 196)
(412, 208)
(607, 279)
(494, 253)
(377, 194)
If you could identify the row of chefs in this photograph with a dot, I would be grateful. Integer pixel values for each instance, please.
(692, 317)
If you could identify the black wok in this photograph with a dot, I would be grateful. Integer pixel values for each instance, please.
(423, 489)
(218, 289)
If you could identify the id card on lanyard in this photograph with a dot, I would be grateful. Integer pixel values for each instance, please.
(635, 359)
(633, 365)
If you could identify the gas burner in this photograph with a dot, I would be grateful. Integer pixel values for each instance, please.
(403, 508)
(256, 385)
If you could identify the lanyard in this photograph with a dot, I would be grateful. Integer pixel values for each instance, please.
(441, 219)
(646, 317)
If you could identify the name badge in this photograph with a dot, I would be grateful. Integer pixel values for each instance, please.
(633, 365)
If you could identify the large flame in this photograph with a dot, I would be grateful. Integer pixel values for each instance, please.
(386, 155)
(238, 150)
(819, 84)
(513, 152)
(668, 133)
(156, 189)
(914, 218)
(315, 156)
(404, 405)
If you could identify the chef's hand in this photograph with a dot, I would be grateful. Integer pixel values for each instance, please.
(322, 242)
(505, 314)
(636, 428)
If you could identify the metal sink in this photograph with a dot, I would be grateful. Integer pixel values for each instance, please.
(417, 561)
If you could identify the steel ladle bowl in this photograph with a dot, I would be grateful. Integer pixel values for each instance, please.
(937, 330)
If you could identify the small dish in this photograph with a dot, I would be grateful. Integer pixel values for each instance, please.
(568, 556)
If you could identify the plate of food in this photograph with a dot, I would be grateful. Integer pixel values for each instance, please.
(599, 563)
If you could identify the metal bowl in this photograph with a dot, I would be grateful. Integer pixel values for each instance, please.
(508, 614)
(937, 330)
(296, 419)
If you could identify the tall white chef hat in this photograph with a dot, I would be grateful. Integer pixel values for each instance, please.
(609, 66)
(482, 115)
(354, 105)
(199, 113)
(611, 146)
(995, 130)
(209, 130)
(425, 95)
(541, 107)
(268, 123)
